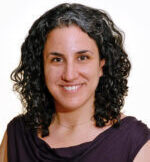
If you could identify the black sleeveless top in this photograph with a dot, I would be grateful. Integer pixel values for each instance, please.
(113, 145)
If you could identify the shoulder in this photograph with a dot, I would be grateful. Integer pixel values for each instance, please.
(16, 125)
(16, 120)
(21, 141)
(144, 153)
(137, 133)
(138, 130)
(3, 149)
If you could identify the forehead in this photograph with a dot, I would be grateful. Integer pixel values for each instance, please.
(69, 38)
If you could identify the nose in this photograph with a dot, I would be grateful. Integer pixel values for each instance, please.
(70, 72)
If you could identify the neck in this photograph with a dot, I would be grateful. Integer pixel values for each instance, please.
(75, 119)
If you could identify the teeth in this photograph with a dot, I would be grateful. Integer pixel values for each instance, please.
(70, 88)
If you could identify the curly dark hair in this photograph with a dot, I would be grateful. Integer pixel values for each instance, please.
(29, 75)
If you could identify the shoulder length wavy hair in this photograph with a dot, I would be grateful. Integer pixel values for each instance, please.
(29, 75)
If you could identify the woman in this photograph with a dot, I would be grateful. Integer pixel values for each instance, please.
(72, 80)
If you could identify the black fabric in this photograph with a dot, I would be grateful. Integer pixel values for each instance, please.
(113, 145)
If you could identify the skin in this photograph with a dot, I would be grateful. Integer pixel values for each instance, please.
(69, 67)
(144, 153)
(71, 57)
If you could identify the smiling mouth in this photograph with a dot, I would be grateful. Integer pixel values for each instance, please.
(73, 88)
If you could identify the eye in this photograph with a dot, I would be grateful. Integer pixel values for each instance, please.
(56, 59)
(83, 57)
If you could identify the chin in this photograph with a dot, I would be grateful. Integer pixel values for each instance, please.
(69, 106)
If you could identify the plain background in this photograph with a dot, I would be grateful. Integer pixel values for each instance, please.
(131, 16)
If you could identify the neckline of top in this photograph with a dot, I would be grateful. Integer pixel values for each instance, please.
(85, 143)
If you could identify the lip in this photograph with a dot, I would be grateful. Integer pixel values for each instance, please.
(79, 86)
(69, 85)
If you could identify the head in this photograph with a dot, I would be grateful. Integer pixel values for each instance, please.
(112, 62)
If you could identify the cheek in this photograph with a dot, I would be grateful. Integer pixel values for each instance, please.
(51, 75)
(92, 76)
(92, 71)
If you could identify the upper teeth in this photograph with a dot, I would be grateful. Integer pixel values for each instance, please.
(71, 88)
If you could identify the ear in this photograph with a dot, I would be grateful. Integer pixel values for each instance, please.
(102, 63)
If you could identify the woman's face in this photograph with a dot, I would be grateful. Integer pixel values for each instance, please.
(72, 67)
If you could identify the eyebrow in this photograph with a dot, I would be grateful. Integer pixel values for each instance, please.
(61, 54)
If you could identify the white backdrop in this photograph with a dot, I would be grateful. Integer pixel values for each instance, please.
(17, 16)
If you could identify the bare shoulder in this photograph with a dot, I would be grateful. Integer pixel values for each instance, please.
(3, 149)
(144, 153)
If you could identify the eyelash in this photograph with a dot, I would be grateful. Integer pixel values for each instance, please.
(57, 59)
(87, 57)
